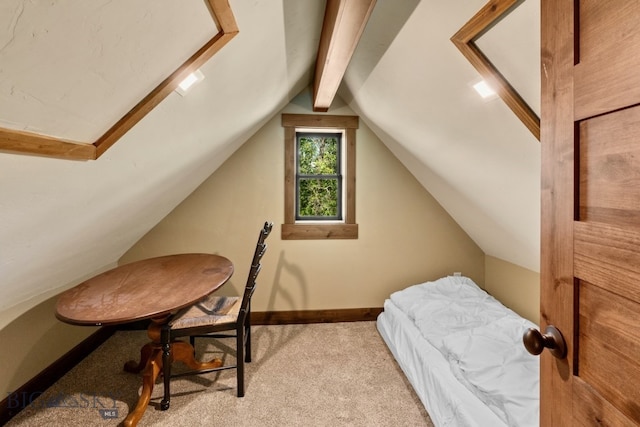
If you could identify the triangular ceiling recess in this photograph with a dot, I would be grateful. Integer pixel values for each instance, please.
(19, 141)
(465, 40)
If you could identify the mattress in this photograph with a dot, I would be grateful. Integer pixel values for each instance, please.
(462, 352)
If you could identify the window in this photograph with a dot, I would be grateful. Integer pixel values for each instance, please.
(319, 177)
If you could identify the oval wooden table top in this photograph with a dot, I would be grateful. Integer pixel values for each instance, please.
(150, 288)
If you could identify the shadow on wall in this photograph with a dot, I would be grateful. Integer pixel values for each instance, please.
(279, 292)
(276, 338)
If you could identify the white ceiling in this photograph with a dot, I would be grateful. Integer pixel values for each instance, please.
(89, 62)
(71, 68)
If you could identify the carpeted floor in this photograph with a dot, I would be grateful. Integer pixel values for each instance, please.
(336, 374)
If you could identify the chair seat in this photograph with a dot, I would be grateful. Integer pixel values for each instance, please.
(212, 310)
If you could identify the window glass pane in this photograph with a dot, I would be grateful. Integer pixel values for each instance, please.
(318, 198)
(318, 154)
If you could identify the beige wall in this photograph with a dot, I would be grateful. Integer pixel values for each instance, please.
(405, 237)
(33, 341)
(32, 338)
(516, 287)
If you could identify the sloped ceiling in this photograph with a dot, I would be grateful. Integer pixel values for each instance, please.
(68, 68)
(474, 156)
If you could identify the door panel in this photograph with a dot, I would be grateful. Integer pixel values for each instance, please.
(590, 263)
(608, 257)
(606, 76)
(596, 411)
(608, 348)
(610, 168)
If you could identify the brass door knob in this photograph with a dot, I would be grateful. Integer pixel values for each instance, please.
(552, 339)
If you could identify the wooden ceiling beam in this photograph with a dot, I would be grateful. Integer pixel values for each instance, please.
(344, 22)
(22, 142)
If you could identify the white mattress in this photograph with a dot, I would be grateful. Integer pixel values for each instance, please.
(461, 350)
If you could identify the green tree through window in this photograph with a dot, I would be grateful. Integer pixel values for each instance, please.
(323, 172)
(318, 176)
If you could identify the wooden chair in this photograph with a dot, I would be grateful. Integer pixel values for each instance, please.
(216, 317)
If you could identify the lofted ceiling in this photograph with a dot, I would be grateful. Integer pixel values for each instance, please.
(70, 69)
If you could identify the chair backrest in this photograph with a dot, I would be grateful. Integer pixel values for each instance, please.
(261, 248)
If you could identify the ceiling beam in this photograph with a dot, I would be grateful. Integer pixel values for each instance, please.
(22, 142)
(344, 22)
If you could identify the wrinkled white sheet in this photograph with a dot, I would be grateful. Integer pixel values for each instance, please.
(480, 340)
(448, 402)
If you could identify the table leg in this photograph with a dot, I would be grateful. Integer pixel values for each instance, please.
(151, 366)
(145, 354)
(152, 369)
(183, 352)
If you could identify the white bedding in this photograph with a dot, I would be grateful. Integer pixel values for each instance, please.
(462, 352)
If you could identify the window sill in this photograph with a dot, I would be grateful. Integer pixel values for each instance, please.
(319, 231)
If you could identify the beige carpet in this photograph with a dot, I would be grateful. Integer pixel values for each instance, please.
(337, 374)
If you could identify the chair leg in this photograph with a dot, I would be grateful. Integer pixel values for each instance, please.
(240, 360)
(192, 341)
(166, 372)
(247, 338)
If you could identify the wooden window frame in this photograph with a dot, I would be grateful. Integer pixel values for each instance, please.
(319, 230)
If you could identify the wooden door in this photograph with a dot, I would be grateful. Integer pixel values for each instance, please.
(590, 264)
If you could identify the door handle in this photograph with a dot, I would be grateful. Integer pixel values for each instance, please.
(552, 339)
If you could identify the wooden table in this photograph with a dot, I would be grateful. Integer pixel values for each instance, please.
(149, 289)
